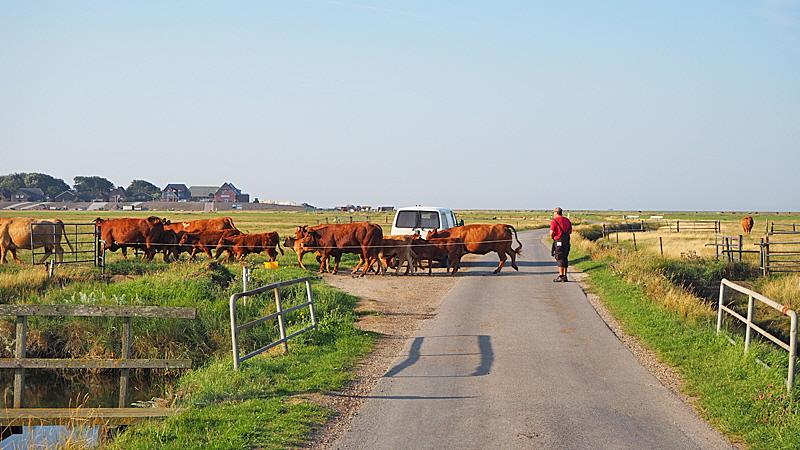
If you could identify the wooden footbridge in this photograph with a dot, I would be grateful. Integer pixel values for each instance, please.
(12, 419)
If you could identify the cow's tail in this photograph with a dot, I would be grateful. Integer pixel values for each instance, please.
(517, 250)
(66, 239)
(280, 249)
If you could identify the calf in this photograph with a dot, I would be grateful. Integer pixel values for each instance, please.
(204, 241)
(396, 247)
(431, 249)
(244, 244)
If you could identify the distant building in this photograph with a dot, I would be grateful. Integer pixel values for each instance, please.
(5, 194)
(175, 192)
(28, 195)
(66, 196)
(140, 196)
(228, 193)
(203, 193)
(117, 194)
(94, 196)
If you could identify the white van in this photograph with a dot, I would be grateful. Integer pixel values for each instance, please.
(421, 219)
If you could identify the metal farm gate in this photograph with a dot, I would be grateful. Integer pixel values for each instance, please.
(780, 249)
(78, 241)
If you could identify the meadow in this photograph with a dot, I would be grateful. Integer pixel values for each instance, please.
(653, 286)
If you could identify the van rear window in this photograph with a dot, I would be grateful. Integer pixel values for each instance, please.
(406, 219)
(429, 219)
(417, 219)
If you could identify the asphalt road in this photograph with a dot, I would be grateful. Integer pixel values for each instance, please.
(516, 361)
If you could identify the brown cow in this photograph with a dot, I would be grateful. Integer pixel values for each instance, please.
(432, 249)
(244, 244)
(169, 242)
(481, 239)
(137, 233)
(747, 224)
(205, 241)
(300, 248)
(297, 245)
(218, 223)
(361, 238)
(17, 232)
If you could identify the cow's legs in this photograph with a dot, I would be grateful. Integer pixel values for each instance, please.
(502, 256)
(361, 262)
(14, 255)
(513, 256)
(48, 250)
(59, 253)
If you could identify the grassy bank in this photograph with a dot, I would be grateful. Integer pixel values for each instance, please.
(743, 395)
(260, 406)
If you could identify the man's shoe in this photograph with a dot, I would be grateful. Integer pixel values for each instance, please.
(559, 279)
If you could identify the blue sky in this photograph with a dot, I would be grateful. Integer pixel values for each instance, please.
(661, 105)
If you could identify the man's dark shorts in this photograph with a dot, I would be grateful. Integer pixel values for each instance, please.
(562, 254)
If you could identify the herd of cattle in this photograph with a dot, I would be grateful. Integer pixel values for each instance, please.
(219, 235)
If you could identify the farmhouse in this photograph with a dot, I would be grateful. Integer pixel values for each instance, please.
(175, 192)
(203, 193)
(66, 196)
(228, 193)
(28, 195)
(117, 195)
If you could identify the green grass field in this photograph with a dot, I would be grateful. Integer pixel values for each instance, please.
(263, 406)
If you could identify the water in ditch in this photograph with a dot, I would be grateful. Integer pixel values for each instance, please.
(84, 389)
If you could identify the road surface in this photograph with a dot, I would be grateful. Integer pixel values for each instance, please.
(516, 361)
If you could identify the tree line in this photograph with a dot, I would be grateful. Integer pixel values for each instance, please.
(52, 186)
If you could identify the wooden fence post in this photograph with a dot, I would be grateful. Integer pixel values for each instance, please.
(124, 374)
(19, 353)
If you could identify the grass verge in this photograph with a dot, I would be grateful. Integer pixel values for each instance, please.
(742, 395)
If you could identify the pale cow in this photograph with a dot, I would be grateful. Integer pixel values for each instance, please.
(26, 233)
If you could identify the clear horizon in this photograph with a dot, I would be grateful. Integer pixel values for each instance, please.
(470, 105)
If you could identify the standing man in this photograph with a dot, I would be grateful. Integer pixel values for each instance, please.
(560, 229)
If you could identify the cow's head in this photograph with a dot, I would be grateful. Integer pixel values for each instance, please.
(98, 221)
(311, 239)
(300, 232)
(188, 238)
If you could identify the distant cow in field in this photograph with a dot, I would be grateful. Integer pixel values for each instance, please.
(17, 232)
(747, 224)
(135, 233)
(481, 239)
(244, 244)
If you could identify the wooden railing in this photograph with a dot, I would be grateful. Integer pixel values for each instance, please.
(121, 415)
